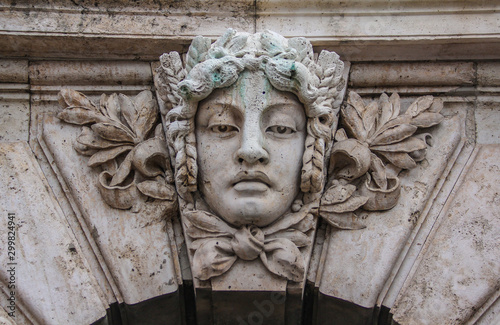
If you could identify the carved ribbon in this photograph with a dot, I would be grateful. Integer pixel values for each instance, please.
(217, 245)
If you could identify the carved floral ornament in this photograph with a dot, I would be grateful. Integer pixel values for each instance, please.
(343, 170)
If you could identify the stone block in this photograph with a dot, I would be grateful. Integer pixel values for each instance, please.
(412, 74)
(358, 263)
(488, 73)
(459, 269)
(487, 116)
(135, 247)
(14, 71)
(90, 73)
(14, 120)
(42, 265)
(114, 29)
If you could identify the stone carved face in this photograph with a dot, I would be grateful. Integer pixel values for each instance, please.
(249, 121)
(250, 143)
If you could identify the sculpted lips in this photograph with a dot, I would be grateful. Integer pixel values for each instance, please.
(251, 181)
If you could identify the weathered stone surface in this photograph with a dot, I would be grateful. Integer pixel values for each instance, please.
(358, 31)
(427, 220)
(115, 28)
(491, 313)
(135, 247)
(95, 73)
(51, 276)
(14, 100)
(5, 319)
(372, 30)
(487, 115)
(411, 74)
(358, 262)
(459, 269)
(14, 119)
(488, 73)
(14, 71)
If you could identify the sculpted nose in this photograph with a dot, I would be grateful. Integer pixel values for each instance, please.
(252, 150)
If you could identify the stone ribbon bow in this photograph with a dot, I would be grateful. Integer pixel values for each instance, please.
(218, 245)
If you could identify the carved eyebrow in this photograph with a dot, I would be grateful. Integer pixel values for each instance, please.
(284, 104)
(220, 108)
(286, 108)
(224, 105)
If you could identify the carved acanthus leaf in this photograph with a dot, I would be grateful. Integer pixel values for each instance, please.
(382, 140)
(118, 136)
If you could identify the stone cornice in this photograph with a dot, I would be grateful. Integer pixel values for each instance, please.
(358, 30)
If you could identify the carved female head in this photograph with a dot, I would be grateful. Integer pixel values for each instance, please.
(251, 122)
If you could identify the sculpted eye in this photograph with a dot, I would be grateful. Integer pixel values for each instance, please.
(223, 130)
(280, 130)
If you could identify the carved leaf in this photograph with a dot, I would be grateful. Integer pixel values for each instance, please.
(127, 110)
(237, 43)
(347, 220)
(83, 149)
(123, 171)
(385, 110)
(102, 104)
(303, 47)
(357, 102)
(298, 238)
(112, 132)
(370, 116)
(103, 156)
(91, 140)
(419, 105)
(113, 108)
(379, 174)
(340, 135)
(396, 105)
(197, 51)
(308, 223)
(225, 38)
(197, 233)
(426, 119)
(394, 134)
(436, 106)
(146, 114)
(212, 258)
(402, 119)
(399, 159)
(351, 204)
(290, 219)
(71, 98)
(407, 145)
(353, 122)
(269, 43)
(208, 222)
(79, 115)
(284, 259)
(157, 189)
(337, 194)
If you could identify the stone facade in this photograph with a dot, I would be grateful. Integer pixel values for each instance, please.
(86, 240)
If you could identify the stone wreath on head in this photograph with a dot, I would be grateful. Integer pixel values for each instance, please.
(288, 64)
